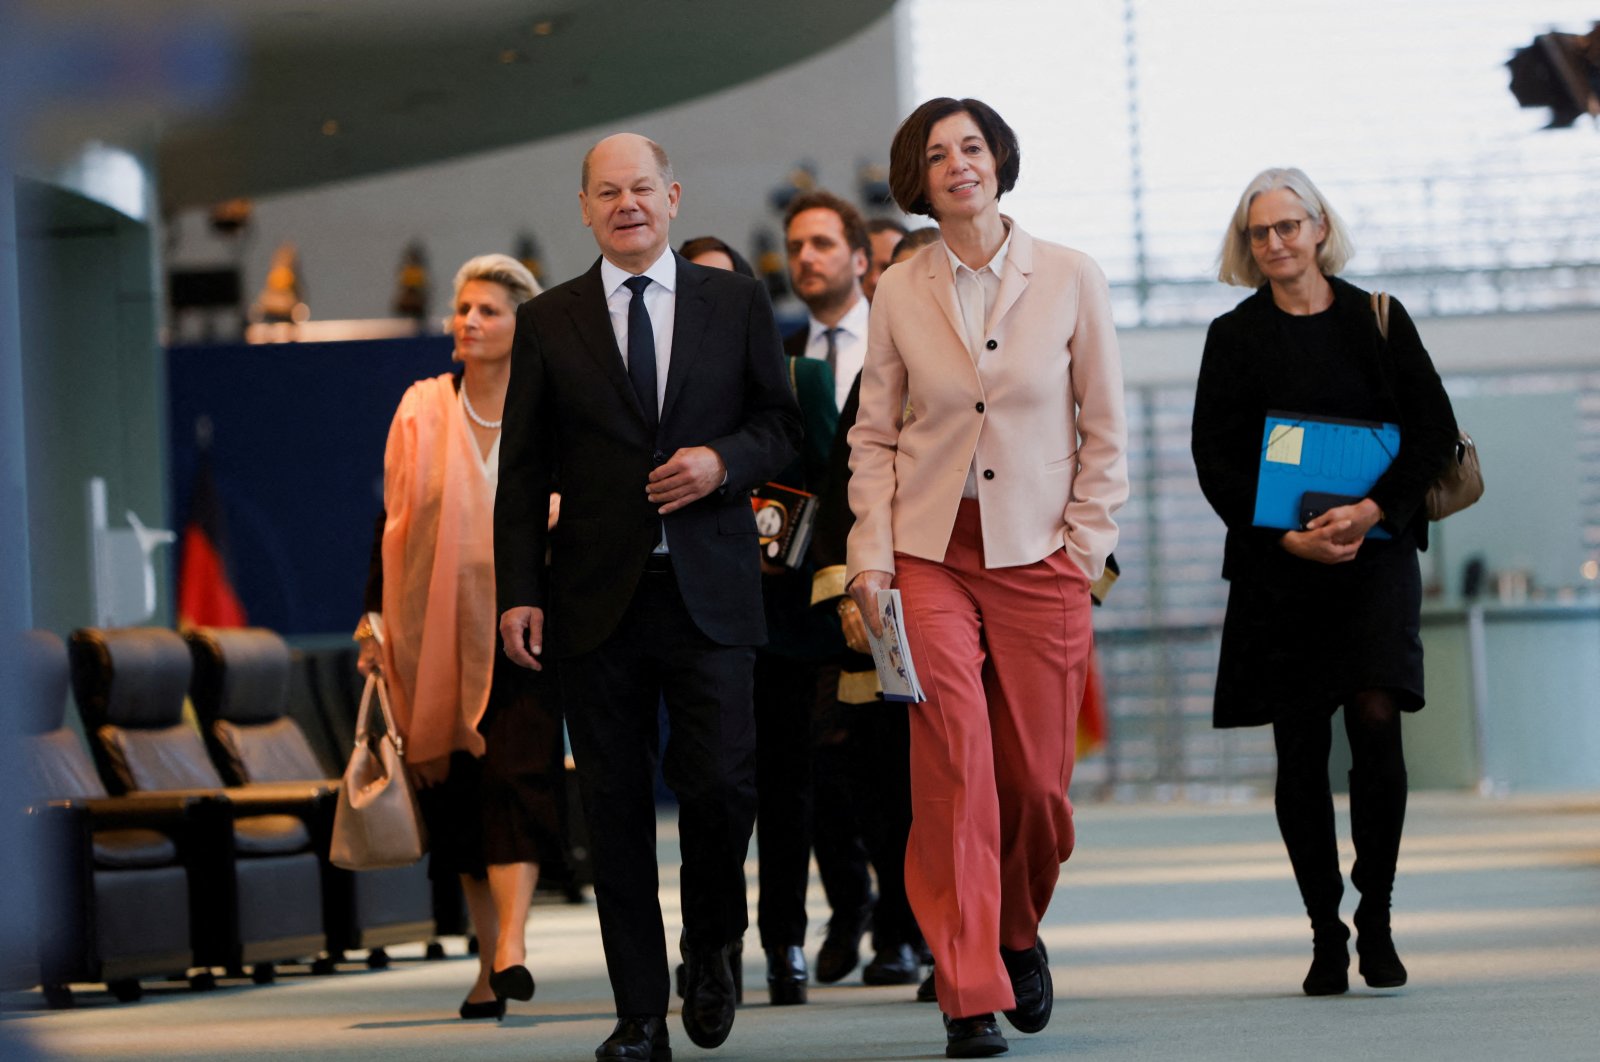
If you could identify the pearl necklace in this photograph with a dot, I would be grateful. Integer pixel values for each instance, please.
(466, 403)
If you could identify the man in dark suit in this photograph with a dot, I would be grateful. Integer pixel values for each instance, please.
(654, 391)
(860, 767)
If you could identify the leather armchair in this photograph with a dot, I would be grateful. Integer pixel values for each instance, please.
(264, 902)
(240, 692)
(114, 884)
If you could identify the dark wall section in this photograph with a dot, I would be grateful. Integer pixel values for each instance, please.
(298, 432)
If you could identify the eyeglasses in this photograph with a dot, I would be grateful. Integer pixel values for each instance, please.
(1285, 229)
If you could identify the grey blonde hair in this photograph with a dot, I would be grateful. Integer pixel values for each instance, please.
(1236, 265)
(502, 269)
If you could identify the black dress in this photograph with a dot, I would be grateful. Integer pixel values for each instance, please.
(1300, 635)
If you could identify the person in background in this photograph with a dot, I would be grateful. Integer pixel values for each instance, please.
(987, 460)
(716, 253)
(885, 235)
(914, 241)
(1322, 616)
(482, 742)
(862, 791)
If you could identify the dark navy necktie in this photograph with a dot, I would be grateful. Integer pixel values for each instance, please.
(642, 350)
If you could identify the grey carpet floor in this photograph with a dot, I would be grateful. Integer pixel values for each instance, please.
(1176, 934)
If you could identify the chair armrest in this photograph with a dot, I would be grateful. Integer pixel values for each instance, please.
(308, 800)
(156, 811)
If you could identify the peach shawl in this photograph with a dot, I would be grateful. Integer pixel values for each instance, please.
(438, 574)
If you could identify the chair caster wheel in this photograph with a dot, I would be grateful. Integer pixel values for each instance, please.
(324, 966)
(127, 990)
(204, 981)
(264, 973)
(378, 959)
(58, 997)
(435, 952)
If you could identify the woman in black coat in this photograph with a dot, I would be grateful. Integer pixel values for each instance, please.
(1321, 616)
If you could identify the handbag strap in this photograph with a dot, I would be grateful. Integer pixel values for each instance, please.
(364, 713)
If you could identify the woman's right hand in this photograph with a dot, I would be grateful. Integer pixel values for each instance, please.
(853, 625)
(369, 660)
(1322, 545)
(864, 590)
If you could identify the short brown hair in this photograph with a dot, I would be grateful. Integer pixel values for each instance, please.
(916, 240)
(855, 229)
(908, 172)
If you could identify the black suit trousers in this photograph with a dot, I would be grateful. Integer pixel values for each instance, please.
(786, 695)
(610, 696)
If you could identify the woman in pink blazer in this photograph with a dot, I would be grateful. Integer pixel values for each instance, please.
(986, 462)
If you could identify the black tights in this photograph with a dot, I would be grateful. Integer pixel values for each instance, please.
(1304, 804)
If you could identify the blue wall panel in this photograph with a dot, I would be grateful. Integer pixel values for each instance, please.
(298, 432)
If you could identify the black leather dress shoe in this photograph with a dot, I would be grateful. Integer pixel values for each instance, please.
(641, 1037)
(841, 948)
(928, 991)
(786, 975)
(894, 965)
(1031, 984)
(708, 994)
(514, 982)
(975, 1037)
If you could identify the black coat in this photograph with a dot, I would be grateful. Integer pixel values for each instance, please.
(571, 414)
(1298, 634)
(1244, 374)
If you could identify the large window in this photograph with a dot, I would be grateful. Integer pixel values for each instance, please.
(1142, 120)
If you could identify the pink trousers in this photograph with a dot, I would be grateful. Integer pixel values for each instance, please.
(1002, 655)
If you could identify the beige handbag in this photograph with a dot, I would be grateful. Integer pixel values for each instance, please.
(1461, 482)
(376, 823)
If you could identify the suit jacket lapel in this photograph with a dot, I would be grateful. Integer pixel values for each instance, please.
(1014, 277)
(692, 311)
(942, 286)
(592, 320)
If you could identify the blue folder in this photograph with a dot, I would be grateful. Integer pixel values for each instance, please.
(1302, 454)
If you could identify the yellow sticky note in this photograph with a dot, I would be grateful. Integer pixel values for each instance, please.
(1283, 445)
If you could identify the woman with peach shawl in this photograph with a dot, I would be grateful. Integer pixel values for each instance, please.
(480, 746)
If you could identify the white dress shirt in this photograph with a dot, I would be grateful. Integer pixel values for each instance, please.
(660, 302)
(850, 350)
(976, 292)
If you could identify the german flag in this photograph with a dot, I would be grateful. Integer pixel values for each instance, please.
(206, 597)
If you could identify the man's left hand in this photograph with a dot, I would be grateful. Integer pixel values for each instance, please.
(686, 477)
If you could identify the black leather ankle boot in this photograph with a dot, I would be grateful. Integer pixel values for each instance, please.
(1330, 961)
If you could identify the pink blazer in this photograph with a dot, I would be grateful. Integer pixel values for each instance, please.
(1044, 414)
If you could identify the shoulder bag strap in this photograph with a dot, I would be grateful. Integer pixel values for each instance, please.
(375, 684)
